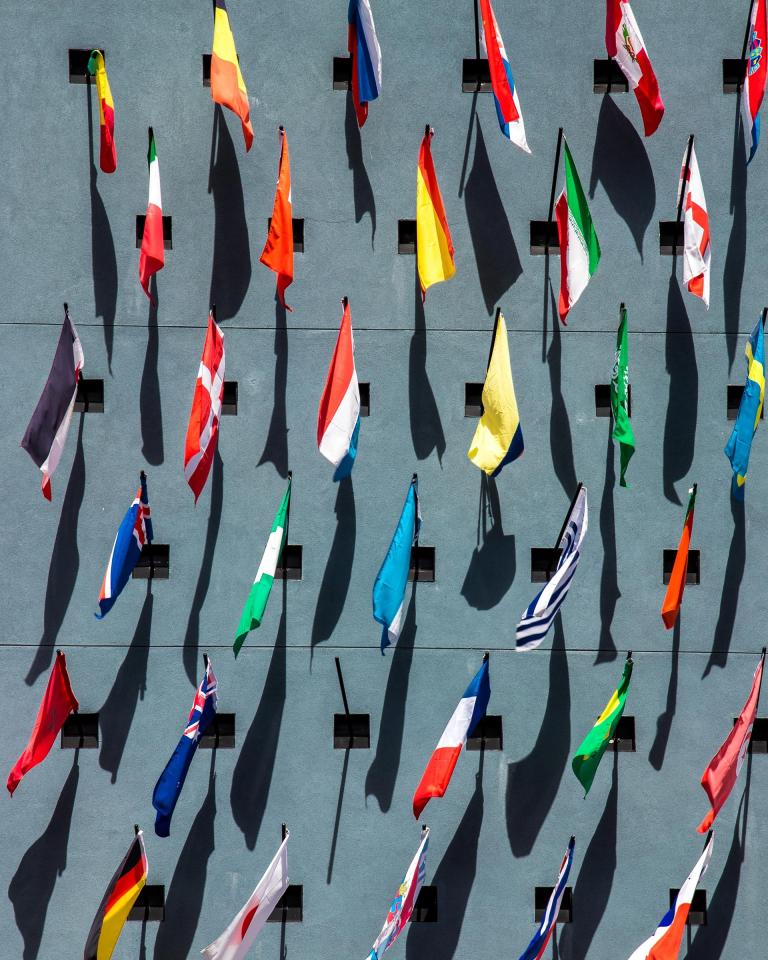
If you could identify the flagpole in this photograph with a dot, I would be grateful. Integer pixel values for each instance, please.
(493, 337)
(284, 831)
(414, 479)
(686, 171)
(765, 314)
(477, 39)
(344, 698)
(142, 483)
(554, 185)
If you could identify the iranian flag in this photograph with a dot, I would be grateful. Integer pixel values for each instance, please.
(152, 257)
(579, 248)
(624, 44)
(256, 603)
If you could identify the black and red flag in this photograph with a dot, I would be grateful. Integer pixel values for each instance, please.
(120, 897)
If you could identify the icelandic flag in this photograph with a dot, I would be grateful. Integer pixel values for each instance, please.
(338, 416)
(392, 578)
(750, 409)
(538, 945)
(756, 74)
(365, 52)
(401, 908)
(470, 711)
(168, 787)
(132, 534)
(504, 91)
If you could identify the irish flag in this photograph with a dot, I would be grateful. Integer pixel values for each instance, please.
(256, 603)
(107, 150)
(152, 256)
(579, 247)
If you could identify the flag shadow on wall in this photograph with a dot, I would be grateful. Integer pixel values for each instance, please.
(276, 445)
(493, 564)
(426, 426)
(682, 407)
(150, 410)
(338, 570)
(362, 191)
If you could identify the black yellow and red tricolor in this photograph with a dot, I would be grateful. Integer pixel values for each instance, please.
(121, 895)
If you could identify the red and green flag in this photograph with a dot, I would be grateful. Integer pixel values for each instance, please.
(152, 255)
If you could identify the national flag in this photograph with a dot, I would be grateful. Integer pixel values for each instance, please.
(152, 254)
(227, 84)
(538, 945)
(57, 704)
(665, 942)
(470, 711)
(205, 415)
(673, 598)
(238, 938)
(401, 908)
(696, 240)
(756, 73)
(504, 90)
(107, 149)
(720, 776)
(122, 892)
(579, 247)
(338, 416)
(168, 787)
(498, 438)
(541, 611)
(256, 604)
(750, 410)
(278, 250)
(134, 531)
(365, 53)
(624, 44)
(47, 430)
(593, 746)
(622, 425)
(392, 578)
(434, 247)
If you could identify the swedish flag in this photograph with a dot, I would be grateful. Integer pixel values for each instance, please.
(750, 409)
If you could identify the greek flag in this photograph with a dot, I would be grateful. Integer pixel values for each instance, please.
(538, 617)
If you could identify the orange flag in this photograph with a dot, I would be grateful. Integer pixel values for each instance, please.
(278, 250)
(673, 598)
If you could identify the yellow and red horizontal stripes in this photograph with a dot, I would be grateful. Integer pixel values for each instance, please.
(124, 888)
(434, 247)
(107, 149)
(227, 84)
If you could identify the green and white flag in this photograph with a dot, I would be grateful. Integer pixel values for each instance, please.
(579, 249)
(256, 603)
(622, 427)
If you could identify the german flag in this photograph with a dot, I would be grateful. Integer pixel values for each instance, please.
(227, 84)
(121, 895)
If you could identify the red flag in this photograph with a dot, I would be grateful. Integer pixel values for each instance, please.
(57, 704)
(204, 417)
(720, 776)
(673, 598)
(278, 250)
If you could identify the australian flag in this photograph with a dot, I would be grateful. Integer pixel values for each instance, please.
(168, 787)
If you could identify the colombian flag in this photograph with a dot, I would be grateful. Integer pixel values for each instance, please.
(120, 897)
(278, 250)
(227, 84)
(107, 151)
(434, 247)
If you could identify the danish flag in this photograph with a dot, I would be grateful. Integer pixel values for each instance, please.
(203, 429)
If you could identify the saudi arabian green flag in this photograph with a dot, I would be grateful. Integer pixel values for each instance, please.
(593, 746)
(256, 603)
(622, 427)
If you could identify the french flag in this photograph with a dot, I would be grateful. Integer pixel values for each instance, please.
(470, 711)
(504, 91)
(134, 531)
(365, 52)
(537, 946)
(757, 73)
(338, 416)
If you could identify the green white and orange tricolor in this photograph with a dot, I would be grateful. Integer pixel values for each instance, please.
(579, 248)
(152, 256)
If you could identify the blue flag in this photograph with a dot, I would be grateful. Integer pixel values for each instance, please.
(392, 579)
(168, 787)
(750, 409)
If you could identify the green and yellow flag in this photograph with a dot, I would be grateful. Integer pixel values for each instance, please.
(622, 427)
(593, 746)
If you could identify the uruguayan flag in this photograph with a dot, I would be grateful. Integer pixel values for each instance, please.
(392, 579)
(538, 617)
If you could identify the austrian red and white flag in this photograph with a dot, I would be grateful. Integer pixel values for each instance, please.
(720, 776)
(152, 255)
(238, 938)
(203, 429)
(624, 44)
(697, 245)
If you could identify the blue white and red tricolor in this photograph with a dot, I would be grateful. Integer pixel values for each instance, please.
(470, 711)
(365, 52)
(132, 534)
(338, 416)
(168, 787)
(756, 75)
(538, 945)
(504, 91)
(665, 942)
(401, 908)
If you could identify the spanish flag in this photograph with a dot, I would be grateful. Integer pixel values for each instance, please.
(227, 84)
(434, 247)
(673, 598)
(278, 250)
(120, 897)
(107, 151)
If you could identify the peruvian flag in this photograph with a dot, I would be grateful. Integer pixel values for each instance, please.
(278, 250)
(152, 255)
(697, 244)
(470, 711)
(624, 44)
(204, 417)
(720, 776)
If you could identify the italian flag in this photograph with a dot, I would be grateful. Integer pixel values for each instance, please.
(256, 604)
(579, 248)
(152, 256)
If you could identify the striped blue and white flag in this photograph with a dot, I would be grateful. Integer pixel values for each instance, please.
(538, 945)
(538, 617)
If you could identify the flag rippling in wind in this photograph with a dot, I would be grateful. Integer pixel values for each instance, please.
(122, 892)
(401, 908)
(697, 244)
(392, 578)
(536, 948)
(278, 250)
(205, 415)
(624, 44)
(756, 74)
(673, 598)
(107, 149)
(365, 53)
(152, 253)
(227, 84)
(338, 416)
(134, 531)
(739, 443)
(505, 96)
(579, 246)
(622, 425)
(434, 247)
